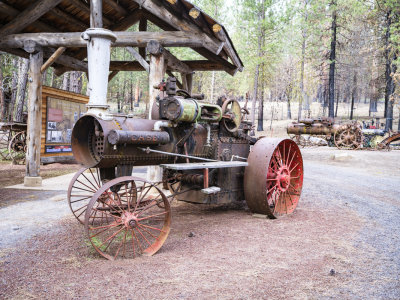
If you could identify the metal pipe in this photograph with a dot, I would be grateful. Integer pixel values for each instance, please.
(99, 49)
(148, 150)
(118, 137)
(159, 124)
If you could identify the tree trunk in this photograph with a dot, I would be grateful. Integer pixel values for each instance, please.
(388, 62)
(14, 87)
(261, 17)
(75, 82)
(332, 63)
(65, 83)
(303, 57)
(353, 95)
(2, 101)
(260, 126)
(289, 97)
(22, 81)
(391, 89)
(337, 102)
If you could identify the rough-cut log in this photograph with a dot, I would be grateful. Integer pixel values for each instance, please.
(115, 6)
(178, 83)
(28, 16)
(189, 82)
(194, 65)
(124, 39)
(52, 59)
(156, 75)
(209, 43)
(112, 75)
(85, 8)
(228, 47)
(228, 67)
(139, 58)
(174, 64)
(34, 119)
(69, 18)
(12, 12)
(96, 13)
(143, 27)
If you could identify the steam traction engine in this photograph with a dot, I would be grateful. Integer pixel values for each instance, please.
(206, 154)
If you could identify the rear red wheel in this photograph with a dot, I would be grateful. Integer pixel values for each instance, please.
(274, 177)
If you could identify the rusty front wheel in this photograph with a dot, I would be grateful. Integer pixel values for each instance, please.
(273, 179)
(82, 187)
(128, 217)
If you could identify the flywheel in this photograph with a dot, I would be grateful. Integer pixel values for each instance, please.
(349, 136)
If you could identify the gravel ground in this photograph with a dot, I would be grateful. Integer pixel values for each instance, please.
(341, 243)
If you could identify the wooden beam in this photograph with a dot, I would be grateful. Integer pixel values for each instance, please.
(217, 30)
(174, 64)
(139, 58)
(52, 59)
(96, 13)
(32, 13)
(69, 18)
(228, 47)
(12, 12)
(124, 39)
(142, 27)
(32, 177)
(132, 18)
(178, 83)
(156, 75)
(212, 44)
(194, 65)
(112, 75)
(229, 68)
(189, 82)
(117, 7)
(86, 8)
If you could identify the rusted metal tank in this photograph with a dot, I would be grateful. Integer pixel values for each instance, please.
(322, 126)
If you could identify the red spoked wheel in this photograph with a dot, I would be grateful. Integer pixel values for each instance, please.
(84, 184)
(273, 179)
(128, 217)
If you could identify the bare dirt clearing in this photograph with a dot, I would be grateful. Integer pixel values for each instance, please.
(341, 242)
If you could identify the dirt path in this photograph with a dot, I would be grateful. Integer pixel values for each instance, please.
(341, 243)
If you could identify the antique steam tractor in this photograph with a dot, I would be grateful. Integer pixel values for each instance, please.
(342, 135)
(348, 135)
(207, 156)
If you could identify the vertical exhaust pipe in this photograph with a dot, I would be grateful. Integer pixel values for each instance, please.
(99, 50)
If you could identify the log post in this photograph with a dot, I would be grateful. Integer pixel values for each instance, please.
(189, 82)
(32, 177)
(156, 75)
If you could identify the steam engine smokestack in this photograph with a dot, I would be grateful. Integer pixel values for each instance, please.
(99, 50)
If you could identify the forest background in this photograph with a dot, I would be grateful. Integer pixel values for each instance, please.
(299, 52)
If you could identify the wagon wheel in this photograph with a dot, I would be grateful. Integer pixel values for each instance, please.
(82, 187)
(274, 177)
(17, 148)
(4, 142)
(299, 140)
(232, 115)
(348, 136)
(130, 221)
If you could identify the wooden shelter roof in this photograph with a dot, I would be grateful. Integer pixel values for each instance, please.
(179, 20)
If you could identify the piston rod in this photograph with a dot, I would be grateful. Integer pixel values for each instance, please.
(148, 150)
